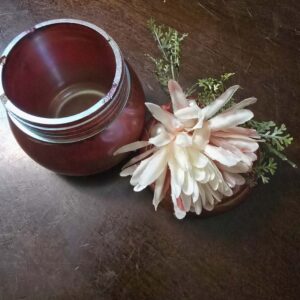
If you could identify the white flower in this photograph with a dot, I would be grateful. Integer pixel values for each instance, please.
(197, 153)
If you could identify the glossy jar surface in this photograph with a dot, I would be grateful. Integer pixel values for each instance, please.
(71, 99)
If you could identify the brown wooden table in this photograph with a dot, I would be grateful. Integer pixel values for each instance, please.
(94, 238)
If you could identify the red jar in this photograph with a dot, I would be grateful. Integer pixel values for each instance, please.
(72, 100)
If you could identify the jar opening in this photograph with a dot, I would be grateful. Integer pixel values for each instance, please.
(59, 69)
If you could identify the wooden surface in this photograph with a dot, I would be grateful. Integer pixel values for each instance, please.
(94, 238)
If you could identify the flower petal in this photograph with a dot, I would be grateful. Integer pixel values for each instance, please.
(209, 195)
(176, 183)
(221, 155)
(225, 189)
(132, 147)
(188, 184)
(162, 139)
(214, 183)
(229, 180)
(139, 187)
(196, 193)
(164, 117)
(179, 202)
(207, 200)
(177, 95)
(216, 105)
(188, 113)
(239, 179)
(224, 134)
(240, 167)
(233, 179)
(179, 214)
(250, 132)
(198, 207)
(197, 158)
(224, 143)
(181, 157)
(199, 124)
(178, 211)
(242, 104)
(217, 196)
(154, 168)
(200, 175)
(230, 119)
(201, 136)
(138, 158)
(244, 146)
(128, 171)
(252, 156)
(202, 193)
(187, 201)
(183, 139)
(178, 172)
(159, 187)
(139, 170)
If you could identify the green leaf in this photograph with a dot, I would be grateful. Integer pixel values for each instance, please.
(169, 43)
(276, 139)
(265, 167)
(274, 135)
(208, 89)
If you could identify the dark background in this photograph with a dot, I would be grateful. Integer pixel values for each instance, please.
(94, 238)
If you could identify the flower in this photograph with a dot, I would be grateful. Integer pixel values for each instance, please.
(197, 153)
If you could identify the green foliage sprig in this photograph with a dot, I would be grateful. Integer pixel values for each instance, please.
(169, 41)
(207, 89)
(275, 137)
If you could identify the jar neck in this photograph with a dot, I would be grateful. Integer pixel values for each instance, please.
(81, 128)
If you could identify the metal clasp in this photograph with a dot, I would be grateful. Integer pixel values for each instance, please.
(2, 60)
(3, 99)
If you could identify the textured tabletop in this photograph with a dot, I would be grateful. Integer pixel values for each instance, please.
(93, 237)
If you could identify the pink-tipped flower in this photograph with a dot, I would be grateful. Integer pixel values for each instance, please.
(203, 152)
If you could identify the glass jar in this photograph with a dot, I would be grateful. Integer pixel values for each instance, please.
(71, 99)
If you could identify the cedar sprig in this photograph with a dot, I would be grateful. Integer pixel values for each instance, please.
(169, 43)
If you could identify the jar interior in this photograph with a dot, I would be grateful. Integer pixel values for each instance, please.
(59, 70)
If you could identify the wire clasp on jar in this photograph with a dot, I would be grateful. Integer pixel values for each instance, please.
(3, 99)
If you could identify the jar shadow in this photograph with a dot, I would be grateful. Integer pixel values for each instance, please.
(92, 181)
(109, 185)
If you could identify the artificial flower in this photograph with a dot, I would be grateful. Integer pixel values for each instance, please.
(196, 153)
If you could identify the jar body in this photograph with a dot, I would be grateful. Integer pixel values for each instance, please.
(94, 154)
(72, 100)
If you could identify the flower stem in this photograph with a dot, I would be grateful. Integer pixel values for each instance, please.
(160, 46)
(172, 69)
(281, 156)
(191, 90)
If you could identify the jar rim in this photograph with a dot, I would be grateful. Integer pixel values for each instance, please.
(10, 107)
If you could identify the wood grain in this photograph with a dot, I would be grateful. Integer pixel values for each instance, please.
(94, 238)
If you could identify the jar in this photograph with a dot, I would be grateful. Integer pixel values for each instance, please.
(71, 98)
